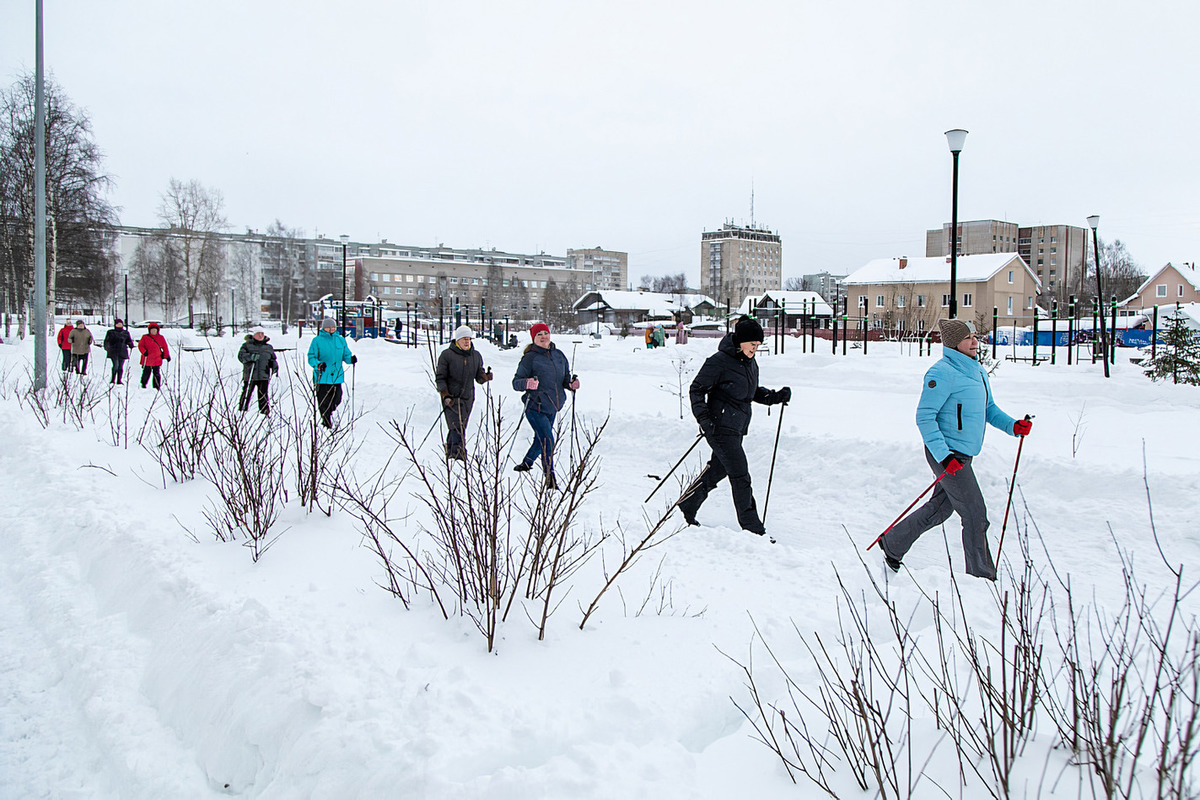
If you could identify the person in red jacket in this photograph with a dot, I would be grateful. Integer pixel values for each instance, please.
(64, 344)
(154, 350)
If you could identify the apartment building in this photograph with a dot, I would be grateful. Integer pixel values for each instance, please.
(1057, 254)
(908, 294)
(738, 261)
(608, 269)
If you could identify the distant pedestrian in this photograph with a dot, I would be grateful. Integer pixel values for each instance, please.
(721, 395)
(258, 365)
(544, 375)
(660, 336)
(955, 408)
(154, 350)
(117, 346)
(81, 346)
(459, 368)
(649, 334)
(326, 355)
(64, 344)
(681, 334)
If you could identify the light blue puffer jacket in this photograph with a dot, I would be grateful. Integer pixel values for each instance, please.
(956, 406)
(330, 349)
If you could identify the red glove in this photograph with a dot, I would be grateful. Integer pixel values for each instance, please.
(531, 384)
(1022, 427)
(952, 465)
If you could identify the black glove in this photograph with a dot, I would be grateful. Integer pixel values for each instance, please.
(707, 427)
(487, 376)
(353, 359)
(784, 395)
(166, 358)
(321, 368)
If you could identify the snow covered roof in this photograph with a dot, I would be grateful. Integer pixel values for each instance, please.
(970, 269)
(1189, 274)
(653, 303)
(793, 301)
(1189, 311)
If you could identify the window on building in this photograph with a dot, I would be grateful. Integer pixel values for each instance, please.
(967, 299)
(1160, 290)
(375, 276)
(1010, 276)
(1010, 306)
(504, 281)
(879, 301)
(899, 301)
(1029, 302)
(920, 301)
(945, 301)
(453, 279)
(408, 278)
(411, 290)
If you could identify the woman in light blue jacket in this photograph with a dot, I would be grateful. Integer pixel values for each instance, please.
(326, 355)
(955, 409)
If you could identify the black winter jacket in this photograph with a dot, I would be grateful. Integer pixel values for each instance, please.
(118, 343)
(264, 366)
(458, 371)
(723, 389)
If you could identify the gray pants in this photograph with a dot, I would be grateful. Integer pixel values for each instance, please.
(954, 493)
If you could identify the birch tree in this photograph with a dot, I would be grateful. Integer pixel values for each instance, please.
(194, 213)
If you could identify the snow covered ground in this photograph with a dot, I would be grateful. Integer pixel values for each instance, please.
(142, 658)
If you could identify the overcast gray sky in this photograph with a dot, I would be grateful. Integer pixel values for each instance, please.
(637, 124)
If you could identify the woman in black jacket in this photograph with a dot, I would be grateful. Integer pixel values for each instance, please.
(721, 395)
(459, 368)
(117, 344)
(259, 363)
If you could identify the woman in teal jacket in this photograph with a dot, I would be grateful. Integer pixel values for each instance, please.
(955, 409)
(326, 355)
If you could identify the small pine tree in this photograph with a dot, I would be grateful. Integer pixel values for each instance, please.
(1179, 354)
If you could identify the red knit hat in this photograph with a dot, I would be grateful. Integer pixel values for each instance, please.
(538, 328)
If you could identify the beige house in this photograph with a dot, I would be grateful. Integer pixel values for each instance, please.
(912, 294)
(1171, 284)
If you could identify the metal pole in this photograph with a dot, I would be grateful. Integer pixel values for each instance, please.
(39, 214)
(1099, 299)
(1113, 341)
(1053, 331)
(954, 242)
(1035, 335)
(1070, 329)
(866, 325)
(995, 332)
(343, 317)
(1154, 335)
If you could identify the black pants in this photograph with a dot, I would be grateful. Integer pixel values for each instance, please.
(66, 359)
(79, 363)
(147, 372)
(329, 397)
(457, 414)
(248, 387)
(728, 461)
(118, 370)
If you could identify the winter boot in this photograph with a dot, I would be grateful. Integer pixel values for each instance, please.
(522, 467)
(551, 483)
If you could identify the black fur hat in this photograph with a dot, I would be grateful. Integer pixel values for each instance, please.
(747, 330)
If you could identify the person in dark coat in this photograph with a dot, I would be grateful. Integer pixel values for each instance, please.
(117, 346)
(258, 365)
(154, 350)
(544, 375)
(459, 368)
(721, 395)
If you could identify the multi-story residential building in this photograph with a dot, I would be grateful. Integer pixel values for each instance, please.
(1057, 254)
(909, 294)
(825, 284)
(609, 269)
(737, 261)
(273, 277)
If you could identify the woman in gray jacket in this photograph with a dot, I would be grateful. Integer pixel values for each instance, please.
(459, 368)
(258, 365)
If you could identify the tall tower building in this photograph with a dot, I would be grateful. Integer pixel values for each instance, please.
(738, 261)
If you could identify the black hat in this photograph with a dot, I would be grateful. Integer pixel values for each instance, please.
(747, 330)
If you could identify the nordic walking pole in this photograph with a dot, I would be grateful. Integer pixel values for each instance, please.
(677, 463)
(905, 511)
(771, 474)
(1012, 485)
(436, 420)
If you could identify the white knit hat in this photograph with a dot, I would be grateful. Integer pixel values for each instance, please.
(463, 332)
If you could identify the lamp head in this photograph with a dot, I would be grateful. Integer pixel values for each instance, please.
(1093, 221)
(956, 138)
(345, 238)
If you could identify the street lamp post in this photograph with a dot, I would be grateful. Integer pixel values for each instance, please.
(955, 138)
(1093, 223)
(345, 240)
